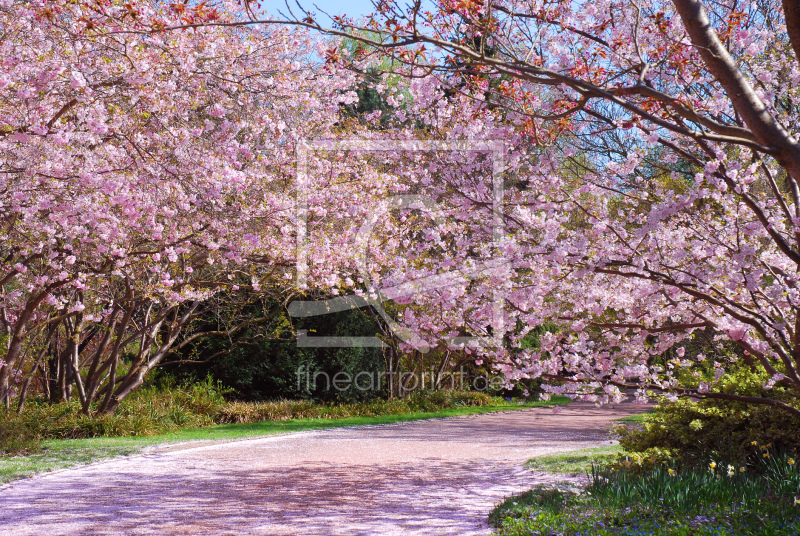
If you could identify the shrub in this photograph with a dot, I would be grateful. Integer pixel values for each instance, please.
(244, 412)
(267, 366)
(17, 436)
(693, 431)
(146, 412)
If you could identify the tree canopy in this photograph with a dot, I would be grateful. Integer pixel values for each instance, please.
(624, 172)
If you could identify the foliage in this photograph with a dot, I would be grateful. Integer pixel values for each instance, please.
(261, 371)
(265, 363)
(62, 453)
(370, 101)
(17, 436)
(682, 491)
(417, 402)
(663, 501)
(351, 361)
(693, 431)
(656, 165)
(147, 412)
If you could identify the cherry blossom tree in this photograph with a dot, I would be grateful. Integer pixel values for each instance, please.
(650, 183)
(141, 174)
(667, 169)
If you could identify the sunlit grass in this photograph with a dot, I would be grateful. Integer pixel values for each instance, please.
(574, 462)
(639, 417)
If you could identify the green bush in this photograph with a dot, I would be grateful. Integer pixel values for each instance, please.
(146, 412)
(244, 412)
(16, 437)
(694, 431)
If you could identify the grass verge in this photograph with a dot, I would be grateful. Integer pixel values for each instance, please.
(574, 462)
(638, 418)
(56, 454)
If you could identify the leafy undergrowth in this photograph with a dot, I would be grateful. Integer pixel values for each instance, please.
(145, 413)
(693, 432)
(761, 498)
(248, 412)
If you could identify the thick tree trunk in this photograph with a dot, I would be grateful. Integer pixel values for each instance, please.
(745, 101)
(791, 9)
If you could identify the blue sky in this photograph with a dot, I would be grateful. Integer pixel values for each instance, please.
(353, 8)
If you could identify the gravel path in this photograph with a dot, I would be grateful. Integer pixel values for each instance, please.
(425, 477)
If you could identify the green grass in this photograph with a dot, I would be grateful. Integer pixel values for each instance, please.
(574, 462)
(663, 500)
(580, 462)
(635, 418)
(63, 453)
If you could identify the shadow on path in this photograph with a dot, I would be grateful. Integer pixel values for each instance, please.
(427, 477)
